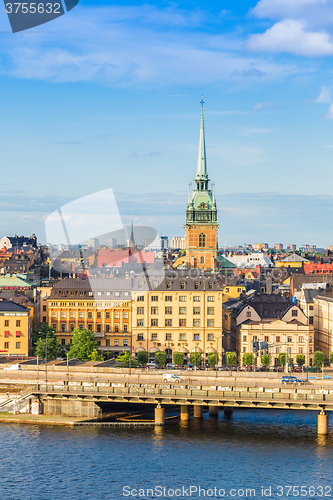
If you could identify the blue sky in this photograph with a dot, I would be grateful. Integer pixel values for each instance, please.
(107, 96)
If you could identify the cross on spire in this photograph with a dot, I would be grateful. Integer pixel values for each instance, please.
(202, 102)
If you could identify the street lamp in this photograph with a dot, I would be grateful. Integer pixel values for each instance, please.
(217, 353)
(47, 334)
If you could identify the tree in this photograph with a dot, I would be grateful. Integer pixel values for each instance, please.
(94, 356)
(231, 358)
(53, 348)
(212, 358)
(248, 359)
(318, 358)
(40, 333)
(178, 358)
(331, 358)
(266, 359)
(160, 358)
(83, 344)
(124, 358)
(300, 359)
(195, 358)
(142, 357)
(282, 358)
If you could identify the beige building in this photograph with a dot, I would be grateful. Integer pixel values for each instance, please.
(15, 330)
(323, 322)
(183, 314)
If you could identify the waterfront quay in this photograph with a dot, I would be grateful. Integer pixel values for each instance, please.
(87, 393)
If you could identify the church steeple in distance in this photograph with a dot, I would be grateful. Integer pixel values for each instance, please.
(201, 213)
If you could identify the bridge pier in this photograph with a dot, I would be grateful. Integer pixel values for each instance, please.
(184, 412)
(213, 411)
(322, 428)
(159, 415)
(197, 411)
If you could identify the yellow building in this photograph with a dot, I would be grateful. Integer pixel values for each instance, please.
(15, 329)
(291, 261)
(101, 305)
(183, 314)
(233, 292)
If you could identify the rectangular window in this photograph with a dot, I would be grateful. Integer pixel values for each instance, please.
(44, 308)
(196, 322)
(98, 327)
(311, 320)
(139, 322)
(210, 298)
(196, 285)
(107, 343)
(289, 339)
(125, 316)
(196, 310)
(71, 327)
(168, 310)
(63, 314)
(6, 345)
(63, 327)
(107, 328)
(182, 310)
(116, 327)
(18, 322)
(277, 339)
(168, 336)
(72, 314)
(244, 338)
(125, 327)
(116, 342)
(125, 342)
(154, 298)
(248, 314)
(300, 350)
(210, 310)
(182, 322)
(89, 315)
(154, 336)
(182, 298)
(81, 326)
(63, 341)
(99, 315)
(141, 298)
(310, 308)
(90, 326)
(210, 337)
(140, 310)
(182, 337)
(54, 314)
(81, 314)
(154, 322)
(277, 350)
(18, 345)
(6, 322)
(168, 322)
(196, 298)
(107, 315)
(44, 319)
(168, 298)
(300, 339)
(294, 312)
(266, 338)
(211, 322)
(18, 334)
(140, 336)
(54, 326)
(196, 336)
(154, 310)
(116, 315)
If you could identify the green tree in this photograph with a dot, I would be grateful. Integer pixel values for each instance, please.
(266, 359)
(142, 357)
(300, 359)
(94, 356)
(160, 358)
(83, 344)
(195, 358)
(248, 359)
(124, 358)
(212, 358)
(331, 358)
(231, 358)
(53, 348)
(178, 358)
(40, 333)
(318, 358)
(282, 358)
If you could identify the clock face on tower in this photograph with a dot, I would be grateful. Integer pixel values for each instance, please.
(202, 205)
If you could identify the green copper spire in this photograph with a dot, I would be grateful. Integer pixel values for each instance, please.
(202, 163)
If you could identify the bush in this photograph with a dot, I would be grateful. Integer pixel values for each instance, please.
(142, 357)
(178, 358)
(231, 358)
(195, 358)
(282, 358)
(331, 357)
(266, 359)
(160, 358)
(318, 358)
(248, 359)
(212, 358)
(300, 359)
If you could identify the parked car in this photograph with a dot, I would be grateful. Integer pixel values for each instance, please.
(171, 377)
(289, 379)
(16, 366)
(171, 366)
(151, 365)
(297, 369)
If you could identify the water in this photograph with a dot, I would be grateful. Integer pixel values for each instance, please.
(253, 448)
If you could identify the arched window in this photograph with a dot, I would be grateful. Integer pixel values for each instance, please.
(202, 260)
(202, 240)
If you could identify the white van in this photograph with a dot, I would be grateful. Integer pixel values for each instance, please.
(171, 377)
(17, 366)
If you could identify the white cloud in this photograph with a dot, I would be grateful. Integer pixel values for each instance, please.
(284, 8)
(324, 96)
(329, 113)
(264, 105)
(292, 36)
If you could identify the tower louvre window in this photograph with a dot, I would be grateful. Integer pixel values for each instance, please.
(202, 240)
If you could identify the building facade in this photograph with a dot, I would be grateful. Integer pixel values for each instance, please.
(15, 330)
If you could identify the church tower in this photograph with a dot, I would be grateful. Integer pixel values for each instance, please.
(201, 214)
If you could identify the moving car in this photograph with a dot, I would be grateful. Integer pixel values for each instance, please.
(171, 377)
(16, 366)
(289, 379)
